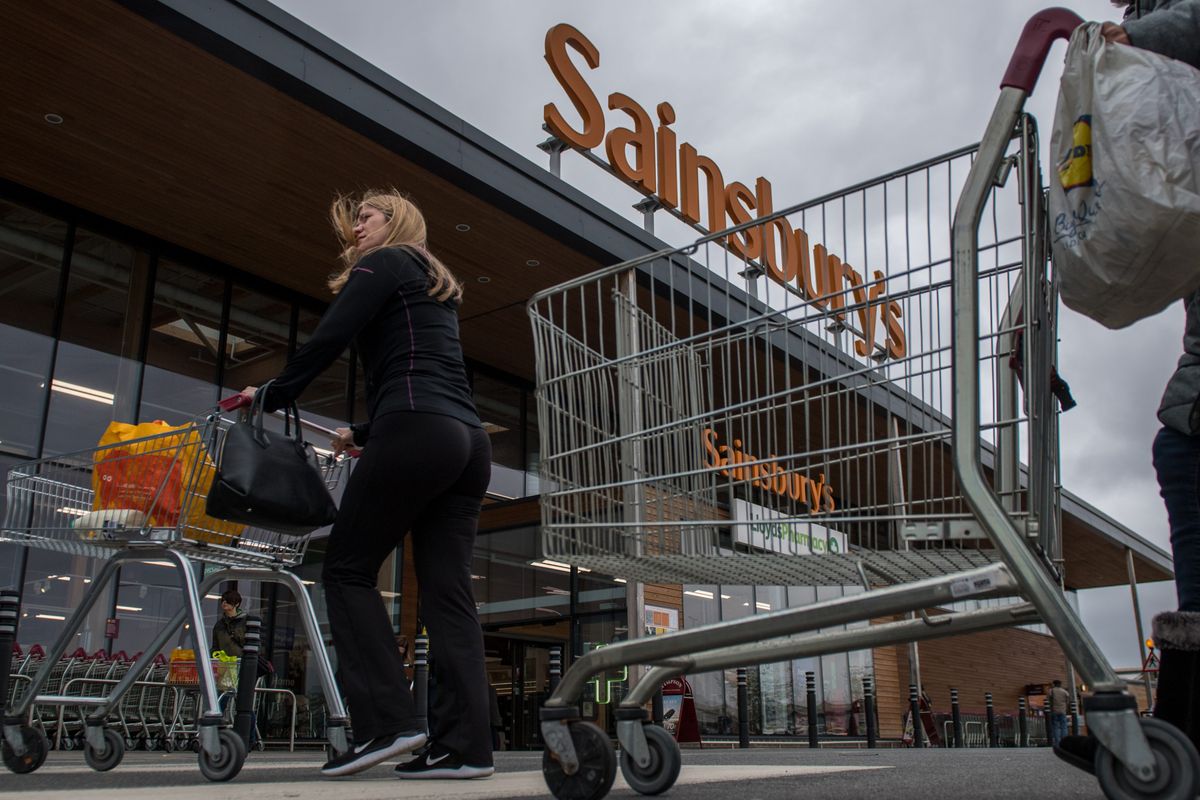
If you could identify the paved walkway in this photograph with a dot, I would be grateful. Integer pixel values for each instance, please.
(756, 774)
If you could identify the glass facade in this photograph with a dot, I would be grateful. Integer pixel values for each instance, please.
(778, 698)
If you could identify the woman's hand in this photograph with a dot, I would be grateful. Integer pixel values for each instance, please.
(343, 441)
(248, 392)
(1114, 33)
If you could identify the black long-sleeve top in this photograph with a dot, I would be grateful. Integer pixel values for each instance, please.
(407, 340)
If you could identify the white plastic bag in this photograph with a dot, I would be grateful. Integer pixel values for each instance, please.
(1125, 182)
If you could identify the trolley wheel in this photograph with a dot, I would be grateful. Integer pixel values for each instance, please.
(226, 763)
(1178, 767)
(163, 743)
(662, 771)
(68, 743)
(597, 765)
(192, 744)
(36, 748)
(109, 757)
(132, 742)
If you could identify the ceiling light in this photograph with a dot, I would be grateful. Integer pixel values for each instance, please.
(49, 616)
(533, 262)
(703, 595)
(53, 119)
(462, 227)
(87, 393)
(762, 606)
(484, 279)
(128, 608)
(74, 512)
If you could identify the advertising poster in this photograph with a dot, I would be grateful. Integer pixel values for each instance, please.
(660, 620)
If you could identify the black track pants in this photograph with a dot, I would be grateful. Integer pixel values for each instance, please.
(424, 473)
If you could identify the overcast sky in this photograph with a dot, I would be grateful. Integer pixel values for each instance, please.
(815, 96)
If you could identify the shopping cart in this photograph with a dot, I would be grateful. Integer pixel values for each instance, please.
(52, 504)
(827, 396)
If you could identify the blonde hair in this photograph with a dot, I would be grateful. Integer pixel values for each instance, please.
(404, 228)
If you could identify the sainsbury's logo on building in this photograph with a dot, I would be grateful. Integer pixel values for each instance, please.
(769, 476)
(670, 172)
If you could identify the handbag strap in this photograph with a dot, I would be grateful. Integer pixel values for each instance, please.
(291, 416)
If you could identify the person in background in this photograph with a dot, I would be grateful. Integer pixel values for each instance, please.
(1171, 28)
(1057, 705)
(424, 468)
(229, 631)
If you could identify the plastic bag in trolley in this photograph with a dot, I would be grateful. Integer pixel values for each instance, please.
(1125, 199)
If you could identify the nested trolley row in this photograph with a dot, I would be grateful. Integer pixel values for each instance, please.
(855, 391)
(143, 500)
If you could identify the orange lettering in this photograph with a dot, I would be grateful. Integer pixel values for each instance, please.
(582, 97)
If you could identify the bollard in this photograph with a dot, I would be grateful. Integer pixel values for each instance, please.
(1074, 719)
(243, 721)
(992, 738)
(421, 680)
(556, 668)
(656, 707)
(810, 688)
(1047, 718)
(743, 701)
(1022, 724)
(10, 605)
(869, 710)
(914, 710)
(956, 717)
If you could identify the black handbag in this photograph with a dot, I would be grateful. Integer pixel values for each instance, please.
(270, 480)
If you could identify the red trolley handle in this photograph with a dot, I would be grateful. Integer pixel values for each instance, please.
(1039, 33)
(236, 401)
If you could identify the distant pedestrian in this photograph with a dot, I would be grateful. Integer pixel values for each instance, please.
(1058, 703)
(229, 631)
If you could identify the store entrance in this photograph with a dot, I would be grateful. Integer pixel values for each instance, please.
(519, 672)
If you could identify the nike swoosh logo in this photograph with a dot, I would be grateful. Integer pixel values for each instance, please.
(431, 760)
(359, 748)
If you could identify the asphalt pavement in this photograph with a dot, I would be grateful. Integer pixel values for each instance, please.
(754, 774)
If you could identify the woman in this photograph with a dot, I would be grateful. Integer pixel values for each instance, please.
(229, 631)
(425, 466)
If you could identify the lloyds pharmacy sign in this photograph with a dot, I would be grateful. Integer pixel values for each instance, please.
(766, 529)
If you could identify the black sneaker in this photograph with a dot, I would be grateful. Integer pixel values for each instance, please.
(365, 755)
(438, 762)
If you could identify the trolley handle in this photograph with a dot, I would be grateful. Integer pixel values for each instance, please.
(236, 401)
(1039, 33)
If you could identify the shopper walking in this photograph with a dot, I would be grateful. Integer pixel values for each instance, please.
(229, 631)
(424, 468)
(1171, 28)
(1057, 705)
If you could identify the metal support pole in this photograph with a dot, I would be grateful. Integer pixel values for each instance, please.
(810, 690)
(992, 733)
(869, 710)
(914, 711)
(743, 701)
(956, 717)
(656, 707)
(421, 680)
(243, 724)
(10, 605)
(555, 667)
(1022, 724)
(1048, 718)
(1074, 719)
(1137, 619)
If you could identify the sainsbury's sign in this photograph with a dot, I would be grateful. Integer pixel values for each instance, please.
(654, 162)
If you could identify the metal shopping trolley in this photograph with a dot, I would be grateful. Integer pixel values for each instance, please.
(827, 396)
(52, 504)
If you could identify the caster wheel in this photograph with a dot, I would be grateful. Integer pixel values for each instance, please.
(193, 744)
(109, 757)
(665, 760)
(1178, 767)
(68, 743)
(36, 748)
(228, 762)
(597, 765)
(164, 744)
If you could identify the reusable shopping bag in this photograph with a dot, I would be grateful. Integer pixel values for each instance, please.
(153, 471)
(1125, 193)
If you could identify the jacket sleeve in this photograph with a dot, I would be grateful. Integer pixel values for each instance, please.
(1173, 32)
(373, 280)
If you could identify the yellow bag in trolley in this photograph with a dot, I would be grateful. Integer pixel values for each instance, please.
(157, 474)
